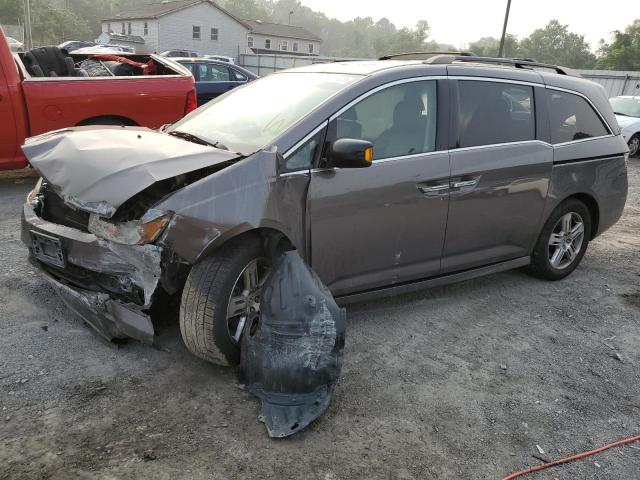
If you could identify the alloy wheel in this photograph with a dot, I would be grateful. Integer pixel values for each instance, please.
(244, 302)
(634, 145)
(566, 240)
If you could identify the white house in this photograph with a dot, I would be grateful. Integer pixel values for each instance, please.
(204, 27)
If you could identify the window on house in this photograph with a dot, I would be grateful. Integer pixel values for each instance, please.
(250, 42)
(108, 27)
(295, 46)
(284, 45)
(196, 32)
(129, 28)
(123, 30)
(267, 43)
(214, 34)
(146, 28)
(311, 48)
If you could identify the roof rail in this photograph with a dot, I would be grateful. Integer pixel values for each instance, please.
(407, 54)
(525, 63)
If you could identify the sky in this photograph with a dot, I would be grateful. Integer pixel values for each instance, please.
(460, 22)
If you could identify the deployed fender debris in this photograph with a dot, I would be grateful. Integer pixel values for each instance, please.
(292, 352)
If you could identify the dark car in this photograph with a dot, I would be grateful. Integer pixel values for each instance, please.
(215, 77)
(385, 176)
(179, 53)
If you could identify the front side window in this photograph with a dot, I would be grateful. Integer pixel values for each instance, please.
(399, 120)
(267, 43)
(210, 72)
(302, 158)
(572, 118)
(196, 32)
(284, 98)
(214, 34)
(491, 113)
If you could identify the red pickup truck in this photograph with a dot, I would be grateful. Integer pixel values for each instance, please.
(47, 89)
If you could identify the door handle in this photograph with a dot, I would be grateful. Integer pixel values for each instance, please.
(433, 189)
(465, 183)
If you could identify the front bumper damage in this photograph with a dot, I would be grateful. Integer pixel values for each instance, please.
(109, 285)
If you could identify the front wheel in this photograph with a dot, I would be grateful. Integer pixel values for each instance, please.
(562, 242)
(220, 298)
(634, 145)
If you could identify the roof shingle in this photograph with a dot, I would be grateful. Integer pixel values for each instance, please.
(278, 30)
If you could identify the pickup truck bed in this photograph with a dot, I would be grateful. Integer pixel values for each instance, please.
(33, 104)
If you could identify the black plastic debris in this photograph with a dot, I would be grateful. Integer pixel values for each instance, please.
(292, 352)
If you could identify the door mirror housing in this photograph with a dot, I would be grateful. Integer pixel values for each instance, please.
(350, 153)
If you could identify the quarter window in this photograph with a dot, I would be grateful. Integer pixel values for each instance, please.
(196, 32)
(492, 113)
(399, 120)
(214, 34)
(302, 158)
(572, 118)
(238, 76)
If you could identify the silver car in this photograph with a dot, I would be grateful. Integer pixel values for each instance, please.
(387, 176)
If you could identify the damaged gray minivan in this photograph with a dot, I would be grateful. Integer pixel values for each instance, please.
(386, 176)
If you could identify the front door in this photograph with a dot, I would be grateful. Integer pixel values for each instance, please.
(499, 175)
(8, 134)
(385, 224)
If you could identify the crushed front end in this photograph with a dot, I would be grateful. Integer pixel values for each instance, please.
(110, 285)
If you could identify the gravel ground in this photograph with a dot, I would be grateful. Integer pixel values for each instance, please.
(456, 382)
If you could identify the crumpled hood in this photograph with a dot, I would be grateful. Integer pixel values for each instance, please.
(97, 169)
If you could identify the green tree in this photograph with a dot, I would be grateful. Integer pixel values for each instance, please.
(624, 52)
(490, 46)
(556, 45)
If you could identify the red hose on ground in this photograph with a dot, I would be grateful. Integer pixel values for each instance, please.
(572, 458)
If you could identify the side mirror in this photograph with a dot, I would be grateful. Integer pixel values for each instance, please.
(350, 153)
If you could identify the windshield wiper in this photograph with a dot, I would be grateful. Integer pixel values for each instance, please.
(623, 114)
(190, 138)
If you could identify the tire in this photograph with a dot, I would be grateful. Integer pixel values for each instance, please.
(634, 144)
(542, 257)
(206, 299)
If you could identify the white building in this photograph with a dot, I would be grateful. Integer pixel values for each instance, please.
(204, 27)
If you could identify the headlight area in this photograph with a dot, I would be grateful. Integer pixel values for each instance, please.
(31, 196)
(134, 232)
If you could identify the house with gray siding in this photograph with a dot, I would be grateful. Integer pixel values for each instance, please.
(204, 27)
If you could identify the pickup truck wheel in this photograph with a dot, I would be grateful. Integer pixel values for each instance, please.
(562, 242)
(220, 297)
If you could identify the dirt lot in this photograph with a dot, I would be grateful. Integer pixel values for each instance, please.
(456, 382)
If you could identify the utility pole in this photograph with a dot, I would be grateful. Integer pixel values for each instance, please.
(27, 25)
(504, 29)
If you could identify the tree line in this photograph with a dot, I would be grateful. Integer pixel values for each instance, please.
(54, 21)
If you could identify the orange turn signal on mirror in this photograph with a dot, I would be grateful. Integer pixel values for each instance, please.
(368, 154)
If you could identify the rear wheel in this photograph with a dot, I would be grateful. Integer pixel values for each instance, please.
(220, 298)
(562, 242)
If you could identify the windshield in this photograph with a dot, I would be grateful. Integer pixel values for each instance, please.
(626, 106)
(252, 116)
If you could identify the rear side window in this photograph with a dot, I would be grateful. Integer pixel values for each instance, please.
(210, 72)
(399, 120)
(492, 112)
(572, 118)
